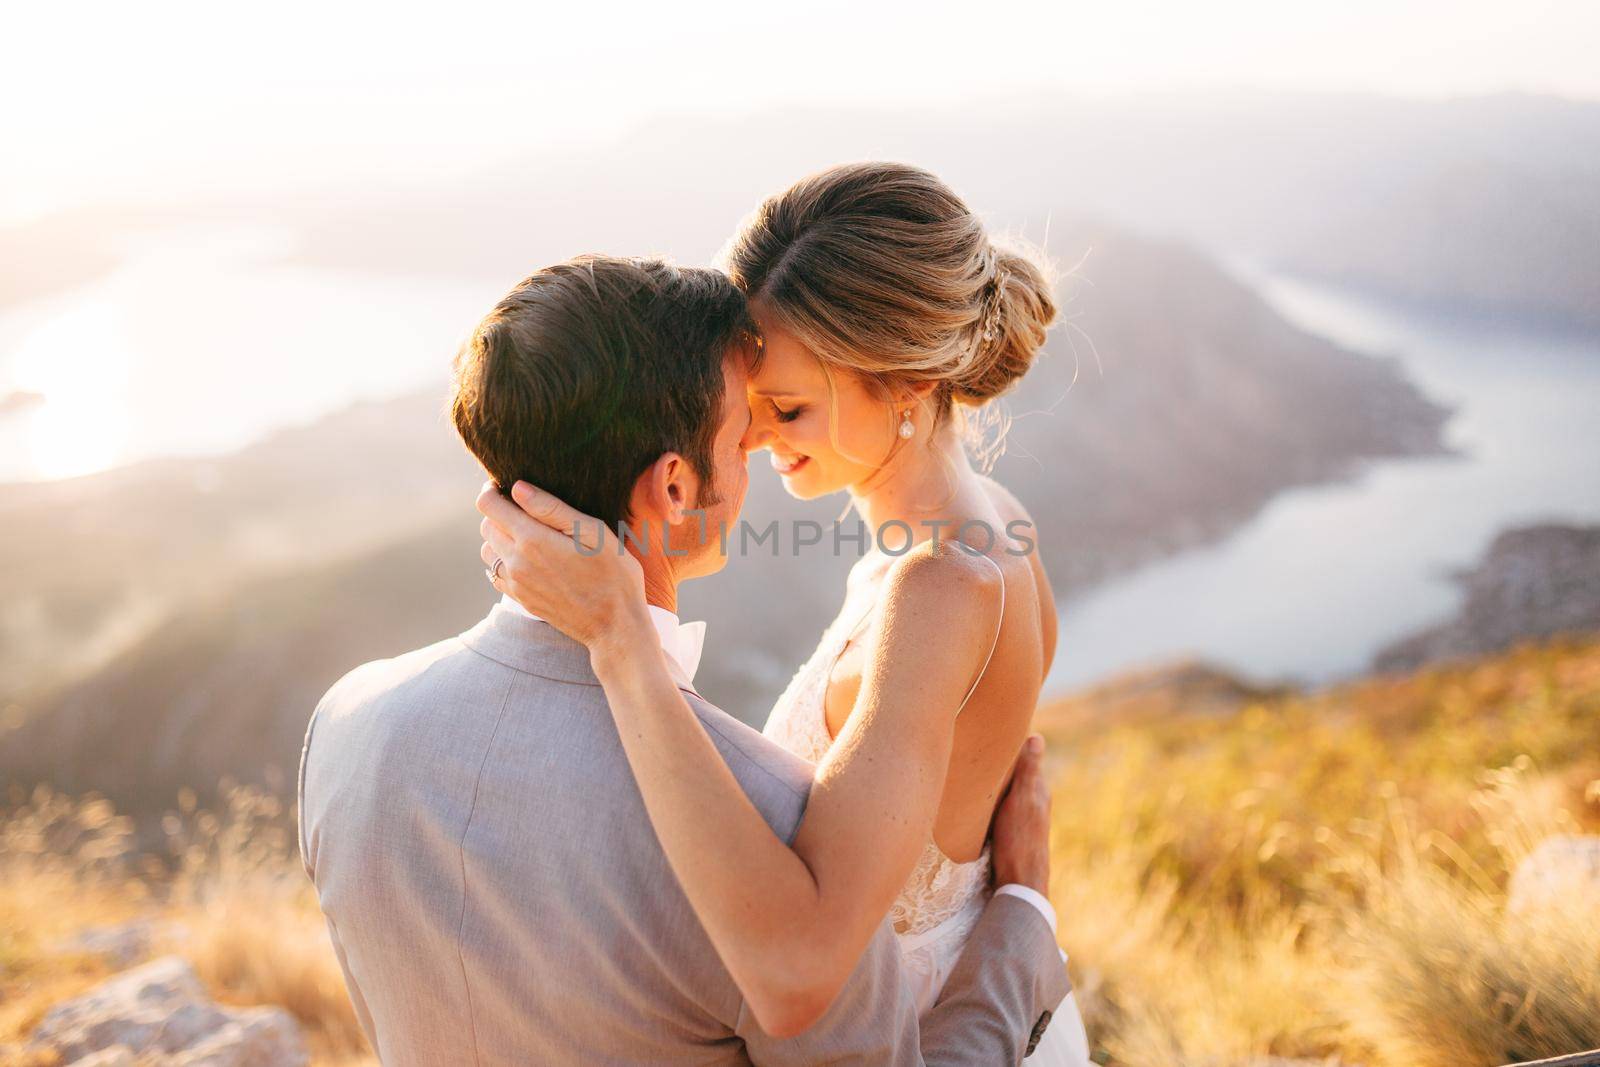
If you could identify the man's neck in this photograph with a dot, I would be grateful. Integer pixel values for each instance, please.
(660, 584)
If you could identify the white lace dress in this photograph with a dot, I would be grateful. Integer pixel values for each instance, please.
(942, 900)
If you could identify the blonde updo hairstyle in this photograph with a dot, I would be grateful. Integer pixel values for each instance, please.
(882, 271)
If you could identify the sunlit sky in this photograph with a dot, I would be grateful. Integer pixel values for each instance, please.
(159, 100)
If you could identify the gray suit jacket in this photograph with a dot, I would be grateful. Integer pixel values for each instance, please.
(496, 895)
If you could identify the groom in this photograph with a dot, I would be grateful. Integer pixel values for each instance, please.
(492, 885)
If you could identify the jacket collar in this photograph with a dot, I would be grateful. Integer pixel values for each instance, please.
(523, 643)
(681, 641)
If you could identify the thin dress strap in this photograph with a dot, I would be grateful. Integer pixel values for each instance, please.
(861, 621)
(996, 643)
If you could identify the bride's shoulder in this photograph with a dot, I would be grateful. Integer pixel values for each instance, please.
(939, 607)
(941, 575)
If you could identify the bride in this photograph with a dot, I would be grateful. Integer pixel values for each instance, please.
(885, 311)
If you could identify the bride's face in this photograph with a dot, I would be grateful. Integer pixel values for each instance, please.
(821, 440)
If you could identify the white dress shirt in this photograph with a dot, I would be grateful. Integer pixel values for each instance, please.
(683, 642)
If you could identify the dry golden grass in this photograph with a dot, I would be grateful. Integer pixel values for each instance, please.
(1323, 875)
(246, 915)
(1308, 875)
(61, 869)
(252, 928)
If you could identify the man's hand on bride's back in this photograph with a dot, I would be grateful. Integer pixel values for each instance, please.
(583, 585)
(1021, 832)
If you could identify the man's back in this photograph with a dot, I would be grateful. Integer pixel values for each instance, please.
(487, 866)
(495, 892)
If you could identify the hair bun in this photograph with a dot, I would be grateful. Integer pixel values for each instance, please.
(1025, 307)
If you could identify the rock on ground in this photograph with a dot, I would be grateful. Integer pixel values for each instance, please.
(159, 1014)
(1556, 871)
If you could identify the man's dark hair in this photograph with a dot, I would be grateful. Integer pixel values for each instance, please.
(586, 372)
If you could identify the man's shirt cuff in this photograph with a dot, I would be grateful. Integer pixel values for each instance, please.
(1032, 896)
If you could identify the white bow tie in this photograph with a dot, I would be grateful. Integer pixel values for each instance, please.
(681, 641)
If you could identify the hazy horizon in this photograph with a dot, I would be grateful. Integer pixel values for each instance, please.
(122, 105)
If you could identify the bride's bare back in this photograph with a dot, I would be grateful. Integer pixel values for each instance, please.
(991, 727)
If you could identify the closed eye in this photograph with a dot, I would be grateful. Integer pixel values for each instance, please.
(785, 416)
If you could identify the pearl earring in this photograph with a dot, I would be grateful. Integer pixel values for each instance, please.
(908, 429)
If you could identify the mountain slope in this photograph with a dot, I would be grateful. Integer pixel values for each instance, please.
(225, 686)
(1532, 582)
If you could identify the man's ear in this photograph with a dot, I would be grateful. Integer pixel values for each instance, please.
(667, 489)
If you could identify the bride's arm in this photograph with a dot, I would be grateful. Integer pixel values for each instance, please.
(789, 922)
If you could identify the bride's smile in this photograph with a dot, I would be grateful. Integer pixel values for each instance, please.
(787, 464)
